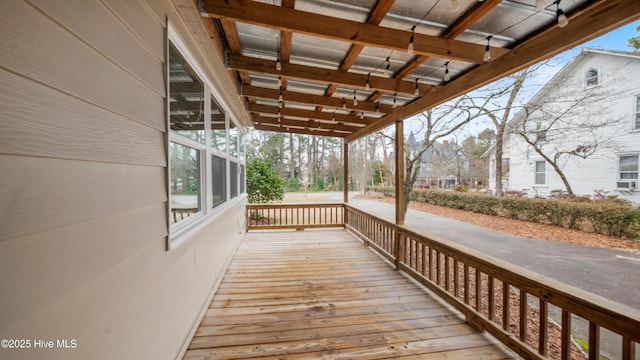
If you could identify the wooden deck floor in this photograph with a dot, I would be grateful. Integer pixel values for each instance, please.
(323, 295)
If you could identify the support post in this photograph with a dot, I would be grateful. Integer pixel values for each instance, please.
(345, 179)
(399, 152)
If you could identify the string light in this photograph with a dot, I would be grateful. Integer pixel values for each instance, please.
(361, 115)
(447, 77)
(411, 39)
(279, 81)
(355, 101)
(278, 63)
(378, 107)
(487, 50)
(334, 117)
(416, 91)
(344, 103)
(395, 103)
(388, 67)
(562, 18)
(368, 85)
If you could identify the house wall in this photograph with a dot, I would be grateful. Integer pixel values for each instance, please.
(83, 190)
(619, 84)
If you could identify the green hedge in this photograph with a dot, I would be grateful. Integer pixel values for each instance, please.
(607, 217)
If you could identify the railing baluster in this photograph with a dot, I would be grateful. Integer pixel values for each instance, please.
(523, 315)
(543, 332)
(456, 278)
(438, 267)
(491, 303)
(430, 263)
(628, 349)
(565, 342)
(594, 341)
(506, 305)
(447, 277)
(466, 284)
(478, 290)
(424, 260)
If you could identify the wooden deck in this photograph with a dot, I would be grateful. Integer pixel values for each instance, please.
(323, 295)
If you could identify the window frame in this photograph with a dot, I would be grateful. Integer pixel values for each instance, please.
(588, 78)
(182, 230)
(619, 171)
(635, 120)
(536, 172)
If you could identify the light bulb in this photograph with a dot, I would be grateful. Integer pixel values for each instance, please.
(562, 18)
(280, 105)
(487, 50)
(377, 108)
(416, 92)
(410, 47)
(361, 115)
(355, 101)
(278, 64)
(395, 104)
(368, 85)
(344, 103)
(279, 81)
(280, 96)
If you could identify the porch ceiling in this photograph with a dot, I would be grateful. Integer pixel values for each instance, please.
(329, 51)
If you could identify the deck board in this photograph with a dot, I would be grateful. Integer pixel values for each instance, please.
(323, 295)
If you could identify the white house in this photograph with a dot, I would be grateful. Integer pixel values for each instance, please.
(587, 121)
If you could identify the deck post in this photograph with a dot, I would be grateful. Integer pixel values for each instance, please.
(345, 179)
(399, 151)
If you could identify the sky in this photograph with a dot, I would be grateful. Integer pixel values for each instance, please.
(615, 40)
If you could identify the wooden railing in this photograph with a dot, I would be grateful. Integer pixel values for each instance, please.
(505, 300)
(294, 216)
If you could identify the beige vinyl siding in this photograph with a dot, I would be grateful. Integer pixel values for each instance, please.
(83, 189)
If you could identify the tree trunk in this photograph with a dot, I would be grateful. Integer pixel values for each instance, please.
(292, 156)
(499, 153)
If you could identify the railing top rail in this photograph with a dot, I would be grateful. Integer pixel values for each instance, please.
(607, 313)
(293, 205)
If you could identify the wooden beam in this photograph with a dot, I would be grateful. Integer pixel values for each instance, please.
(303, 72)
(608, 14)
(477, 12)
(231, 34)
(307, 114)
(345, 30)
(326, 101)
(318, 132)
(305, 124)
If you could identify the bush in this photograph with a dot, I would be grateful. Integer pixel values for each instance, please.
(263, 183)
(608, 216)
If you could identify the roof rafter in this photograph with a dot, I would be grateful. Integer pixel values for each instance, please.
(303, 124)
(303, 72)
(306, 131)
(325, 101)
(308, 114)
(345, 30)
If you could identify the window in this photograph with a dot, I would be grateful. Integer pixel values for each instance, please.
(186, 119)
(233, 178)
(591, 77)
(206, 150)
(636, 115)
(627, 172)
(541, 173)
(219, 179)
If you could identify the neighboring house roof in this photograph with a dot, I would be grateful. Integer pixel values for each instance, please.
(565, 72)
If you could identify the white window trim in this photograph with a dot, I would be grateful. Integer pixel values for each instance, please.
(618, 179)
(599, 77)
(546, 173)
(635, 113)
(184, 229)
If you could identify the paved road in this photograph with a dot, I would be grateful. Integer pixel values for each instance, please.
(610, 273)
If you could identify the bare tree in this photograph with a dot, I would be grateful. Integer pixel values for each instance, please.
(435, 124)
(491, 103)
(568, 126)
